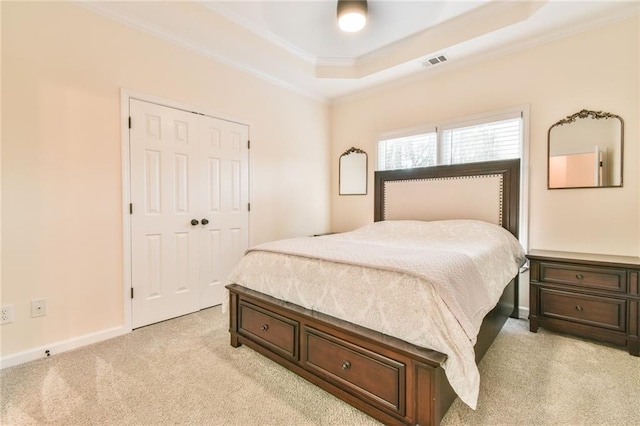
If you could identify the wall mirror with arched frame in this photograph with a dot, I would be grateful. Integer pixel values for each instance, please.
(586, 151)
(353, 172)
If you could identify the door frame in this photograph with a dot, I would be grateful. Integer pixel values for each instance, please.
(125, 96)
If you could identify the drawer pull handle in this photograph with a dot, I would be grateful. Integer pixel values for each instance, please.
(346, 365)
(264, 327)
(579, 276)
(579, 308)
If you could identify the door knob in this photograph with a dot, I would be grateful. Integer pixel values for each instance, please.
(194, 222)
(204, 221)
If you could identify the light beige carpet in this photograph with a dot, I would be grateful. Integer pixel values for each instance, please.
(184, 371)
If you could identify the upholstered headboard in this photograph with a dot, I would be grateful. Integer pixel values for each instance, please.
(486, 191)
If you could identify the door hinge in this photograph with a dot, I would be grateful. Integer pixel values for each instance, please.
(130, 208)
(248, 144)
(248, 207)
(129, 121)
(132, 292)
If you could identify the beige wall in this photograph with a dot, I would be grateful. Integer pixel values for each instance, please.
(596, 70)
(62, 71)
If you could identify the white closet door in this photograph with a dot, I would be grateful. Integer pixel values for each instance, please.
(164, 178)
(224, 158)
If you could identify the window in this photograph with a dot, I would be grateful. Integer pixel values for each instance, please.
(493, 137)
(408, 152)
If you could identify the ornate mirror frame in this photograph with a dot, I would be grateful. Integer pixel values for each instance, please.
(574, 155)
(353, 172)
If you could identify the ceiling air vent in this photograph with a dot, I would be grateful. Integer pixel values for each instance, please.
(434, 61)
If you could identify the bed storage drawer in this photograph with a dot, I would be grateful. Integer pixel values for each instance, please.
(584, 276)
(365, 373)
(597, 311)
(269, 329)
(391, 380)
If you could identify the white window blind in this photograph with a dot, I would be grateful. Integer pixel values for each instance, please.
(497, 140)
(408, 152)
(497, 137)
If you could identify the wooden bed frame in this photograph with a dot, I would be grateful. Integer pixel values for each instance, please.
(389, 379)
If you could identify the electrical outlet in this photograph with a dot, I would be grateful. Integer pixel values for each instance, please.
(38, 308)
(6, 314)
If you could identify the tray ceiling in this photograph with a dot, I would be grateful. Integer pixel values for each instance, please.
(297, 44)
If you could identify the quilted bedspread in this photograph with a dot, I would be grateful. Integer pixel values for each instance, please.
(428, 283)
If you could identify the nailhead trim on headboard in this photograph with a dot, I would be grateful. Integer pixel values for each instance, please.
(500, 194)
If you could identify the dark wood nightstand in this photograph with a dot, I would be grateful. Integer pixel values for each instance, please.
(594, 296)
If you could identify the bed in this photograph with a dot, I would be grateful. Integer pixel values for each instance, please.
(303, 313)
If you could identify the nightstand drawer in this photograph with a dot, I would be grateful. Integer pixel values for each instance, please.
(597, 278)
(596, 311)
(269, 329)
(367, 373)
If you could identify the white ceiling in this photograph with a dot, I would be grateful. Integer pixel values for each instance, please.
(297, 44)
(310, 27)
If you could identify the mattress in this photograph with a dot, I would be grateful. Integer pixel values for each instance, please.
(428, 283)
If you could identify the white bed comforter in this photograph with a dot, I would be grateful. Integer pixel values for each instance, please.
(428, 283)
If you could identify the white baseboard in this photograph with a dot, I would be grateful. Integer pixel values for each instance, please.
(59, 347)
(524, 312)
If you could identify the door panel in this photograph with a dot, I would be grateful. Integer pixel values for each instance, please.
(225, 159)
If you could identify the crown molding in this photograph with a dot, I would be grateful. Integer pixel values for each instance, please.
(141, 25)
(267, 35)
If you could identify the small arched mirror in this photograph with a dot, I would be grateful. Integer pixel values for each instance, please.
(585, 151)
(353, 172)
